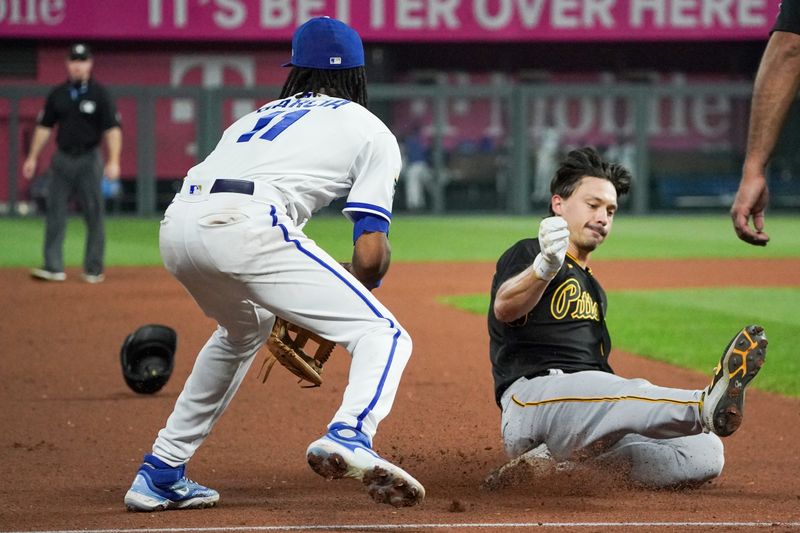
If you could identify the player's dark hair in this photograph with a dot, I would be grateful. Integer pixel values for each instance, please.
(584, 162)
(350, 83)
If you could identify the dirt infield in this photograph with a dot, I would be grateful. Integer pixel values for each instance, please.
(73, 434)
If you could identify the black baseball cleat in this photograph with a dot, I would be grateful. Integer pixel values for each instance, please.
(722, 402)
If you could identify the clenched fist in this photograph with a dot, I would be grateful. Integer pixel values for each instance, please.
(553, 241)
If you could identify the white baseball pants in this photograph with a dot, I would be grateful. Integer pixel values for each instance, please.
(243, 261)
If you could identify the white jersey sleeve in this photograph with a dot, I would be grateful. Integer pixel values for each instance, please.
(375, 172)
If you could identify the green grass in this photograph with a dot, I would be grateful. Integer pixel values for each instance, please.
(690, 328)
(134, 241)
(661, 323)
(636, 319)
(484, 238)
(129, 241)
(683, 237)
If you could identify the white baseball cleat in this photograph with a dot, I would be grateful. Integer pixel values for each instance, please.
(93, 278)
(722, 402)
(47, 275)
(346, 452)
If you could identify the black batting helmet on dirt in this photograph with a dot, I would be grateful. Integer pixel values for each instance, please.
(148, 356)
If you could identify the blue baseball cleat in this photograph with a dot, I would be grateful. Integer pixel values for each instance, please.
(346, 452)
(158, 487)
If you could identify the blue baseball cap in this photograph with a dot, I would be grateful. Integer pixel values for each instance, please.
(326, 43)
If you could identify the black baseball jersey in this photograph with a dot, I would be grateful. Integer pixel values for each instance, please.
(82, 111)
(789, 17)
(565, 330)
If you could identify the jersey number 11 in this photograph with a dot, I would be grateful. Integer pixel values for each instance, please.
(286, 120)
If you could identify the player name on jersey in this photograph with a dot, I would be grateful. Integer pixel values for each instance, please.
(288, 103)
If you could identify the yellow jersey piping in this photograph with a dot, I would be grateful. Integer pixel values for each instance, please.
(602, 399)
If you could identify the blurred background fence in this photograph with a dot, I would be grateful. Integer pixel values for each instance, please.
(485, 96)
(488, 148)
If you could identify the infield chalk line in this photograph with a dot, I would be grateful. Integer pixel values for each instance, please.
(456, 525)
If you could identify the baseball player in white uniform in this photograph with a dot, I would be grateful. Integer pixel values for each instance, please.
(233, 237)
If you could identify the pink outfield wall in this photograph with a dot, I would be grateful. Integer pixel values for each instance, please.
(392, 20)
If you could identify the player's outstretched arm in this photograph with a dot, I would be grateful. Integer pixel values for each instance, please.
(518, 295)
(774, 91)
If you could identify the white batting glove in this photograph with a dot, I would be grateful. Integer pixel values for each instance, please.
(553, 241)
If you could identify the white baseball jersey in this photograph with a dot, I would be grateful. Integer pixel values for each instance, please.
(287, 143)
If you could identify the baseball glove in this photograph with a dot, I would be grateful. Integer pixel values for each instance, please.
(291, 352)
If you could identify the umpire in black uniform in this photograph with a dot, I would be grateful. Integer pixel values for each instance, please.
(85, 115)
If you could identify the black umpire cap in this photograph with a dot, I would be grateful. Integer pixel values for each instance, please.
(80, 52)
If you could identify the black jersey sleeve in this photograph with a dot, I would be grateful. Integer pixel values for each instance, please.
(49, 115)
(515, 260)
(788, 17)
(108, 111)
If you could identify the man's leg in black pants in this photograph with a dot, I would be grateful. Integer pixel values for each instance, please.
(89, 184)
(56, 218)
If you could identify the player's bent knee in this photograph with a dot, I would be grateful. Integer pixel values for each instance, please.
(714, 458)
(405, 339)
(704, 463)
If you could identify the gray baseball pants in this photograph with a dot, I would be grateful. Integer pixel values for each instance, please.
(82, 174)
(654, 432)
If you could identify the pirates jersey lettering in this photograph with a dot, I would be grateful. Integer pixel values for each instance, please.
(569, 299)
